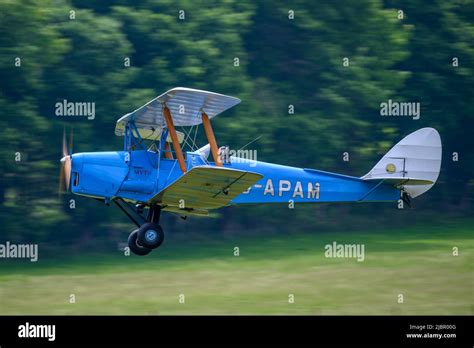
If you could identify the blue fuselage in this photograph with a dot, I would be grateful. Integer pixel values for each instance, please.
(140, 175)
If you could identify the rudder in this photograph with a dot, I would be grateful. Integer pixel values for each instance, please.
(413, 164)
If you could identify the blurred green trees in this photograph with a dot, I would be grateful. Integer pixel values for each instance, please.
(332, 63)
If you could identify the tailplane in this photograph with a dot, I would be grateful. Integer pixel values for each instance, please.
(413, 164)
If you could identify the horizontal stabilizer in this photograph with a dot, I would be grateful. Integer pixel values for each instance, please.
(206, 187)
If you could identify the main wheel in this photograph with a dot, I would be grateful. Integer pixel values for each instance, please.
(135, 246)
(150, 235)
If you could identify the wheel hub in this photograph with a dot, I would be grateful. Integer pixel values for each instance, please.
(151, 235)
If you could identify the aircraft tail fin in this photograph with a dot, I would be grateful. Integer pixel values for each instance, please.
(413, 164)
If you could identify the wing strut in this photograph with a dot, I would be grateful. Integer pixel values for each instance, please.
(211, 139)
(174, 138)
(168, 153)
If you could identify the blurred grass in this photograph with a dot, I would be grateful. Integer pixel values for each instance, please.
(416, 262)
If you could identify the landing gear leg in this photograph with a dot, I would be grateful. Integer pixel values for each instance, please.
(154, 214)
(150, 234)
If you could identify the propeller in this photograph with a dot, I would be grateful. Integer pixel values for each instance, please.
(66, 163)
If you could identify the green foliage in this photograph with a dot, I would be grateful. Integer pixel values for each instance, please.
(281, 62)
(443, 31)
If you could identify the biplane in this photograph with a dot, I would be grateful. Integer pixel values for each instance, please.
(153, 174)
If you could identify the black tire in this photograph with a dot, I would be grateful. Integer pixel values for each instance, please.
(150, 235)
(135, 246)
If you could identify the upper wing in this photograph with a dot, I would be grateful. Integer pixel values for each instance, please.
(185, 104)
(206, 187)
